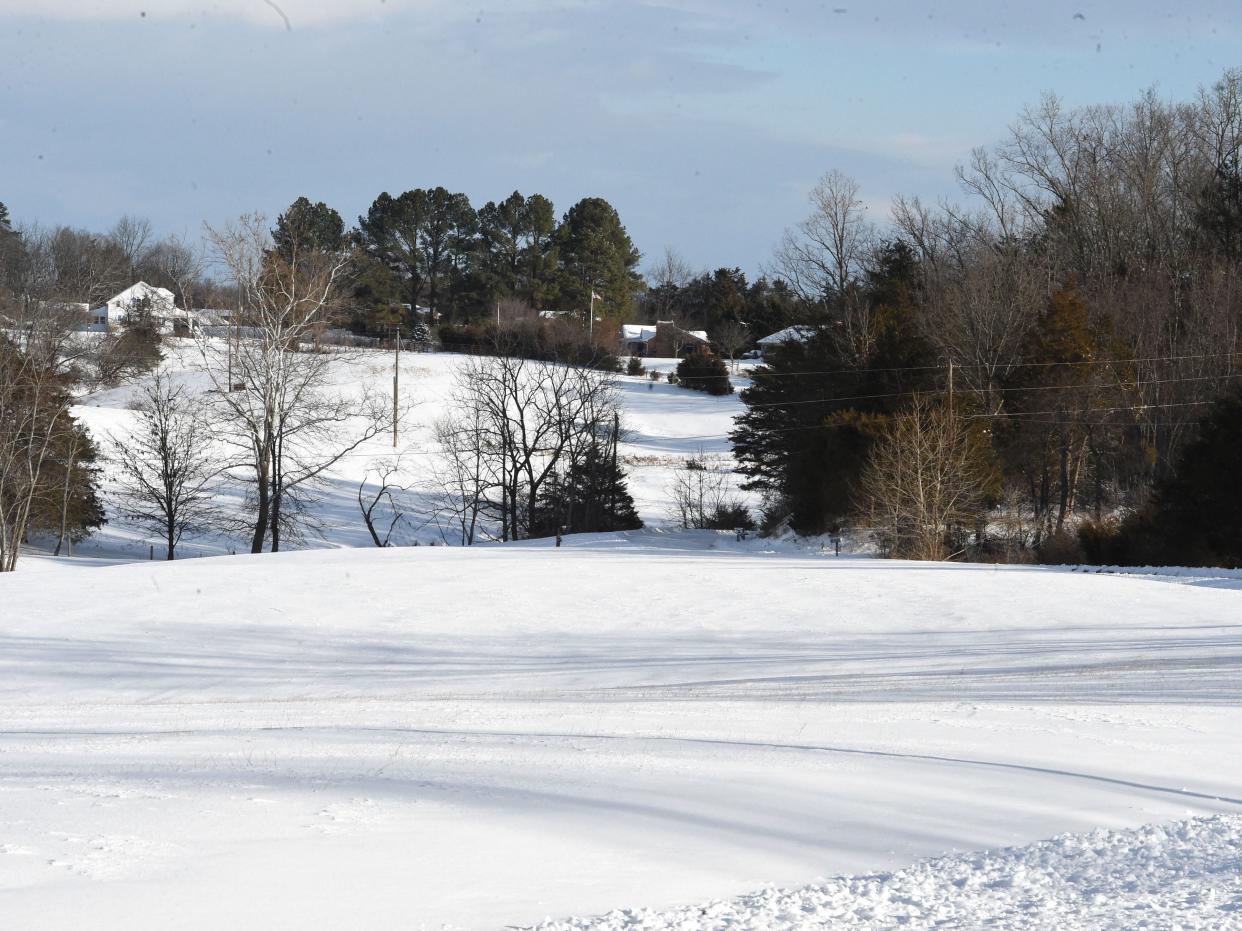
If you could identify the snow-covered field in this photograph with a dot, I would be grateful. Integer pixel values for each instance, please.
(420, 738)
(663, 425)
(664, 729)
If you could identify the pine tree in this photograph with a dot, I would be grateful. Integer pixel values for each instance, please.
(703, 370)
(596, 254)
(813, 411)
(308, 226)
(1194, 517)
(591, 497)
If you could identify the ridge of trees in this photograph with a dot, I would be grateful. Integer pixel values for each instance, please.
(1076, 319)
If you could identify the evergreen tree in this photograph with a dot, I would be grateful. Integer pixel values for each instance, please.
(12, 257)
(57, 473)
(375, 307)
(392, 231)
(517, 247)
(596, 254)
(69, 506)
(592, 497)
(446, 243)
(308, 226)
(1219, 216)
(772, 306)
(1059, 402)
(813, 412)
(1194, 517)
(703, 370)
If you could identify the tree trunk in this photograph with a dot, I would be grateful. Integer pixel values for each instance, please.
(262, 507)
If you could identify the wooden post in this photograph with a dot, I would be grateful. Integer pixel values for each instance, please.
(616, 430)
(396, 382)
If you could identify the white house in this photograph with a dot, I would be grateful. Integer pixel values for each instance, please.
(162, 303)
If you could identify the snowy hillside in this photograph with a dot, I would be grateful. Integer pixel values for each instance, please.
(508, 734)
(663, 425)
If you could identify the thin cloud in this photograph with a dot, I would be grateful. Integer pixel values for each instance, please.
(277, 14)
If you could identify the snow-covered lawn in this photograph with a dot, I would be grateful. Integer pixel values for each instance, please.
(663, 424)
(420, 738)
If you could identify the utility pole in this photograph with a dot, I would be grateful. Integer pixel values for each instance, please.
(612, 484)
(396, 383)
(498, 313)
(591, 318)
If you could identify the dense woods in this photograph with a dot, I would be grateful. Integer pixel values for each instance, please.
(1074, 322)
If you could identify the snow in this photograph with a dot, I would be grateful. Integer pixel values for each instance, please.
(1187, 874)
(503, 735)
(512, 734)
(662, 425)
(793, 334)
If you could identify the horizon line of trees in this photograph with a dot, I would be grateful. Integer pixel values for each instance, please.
(986, 379)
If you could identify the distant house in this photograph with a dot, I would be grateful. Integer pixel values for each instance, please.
(212, 316)
(661, 340)
(792, 334)
(162, 303)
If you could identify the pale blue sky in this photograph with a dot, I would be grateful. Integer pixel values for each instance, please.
(704, 122)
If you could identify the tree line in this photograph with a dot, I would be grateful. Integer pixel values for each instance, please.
(1011, 377)
(431, 248)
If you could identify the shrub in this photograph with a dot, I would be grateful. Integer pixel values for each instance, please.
(730, 516)
(703, 370)
(1098, 541)
(634, 366)
(1060, 549)
(540, 340)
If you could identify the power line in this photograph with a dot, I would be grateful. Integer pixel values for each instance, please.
(902, 394)
(980, 365)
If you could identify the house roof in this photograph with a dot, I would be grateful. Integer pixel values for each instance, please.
(637, 332)
(140, 290)
(791, 334)
(643, 332)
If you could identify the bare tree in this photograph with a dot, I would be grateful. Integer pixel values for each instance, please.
(731, 337)
(132, 236)
(85, 267)
(532, 417)
(822, 258)
(167, 465)
(279, 407)
(467, 470)
(702, 496)
(670, 274)
(924, 481)
(383, 497)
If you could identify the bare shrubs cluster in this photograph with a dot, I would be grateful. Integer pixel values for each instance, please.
(703, 497)
(923, 487)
